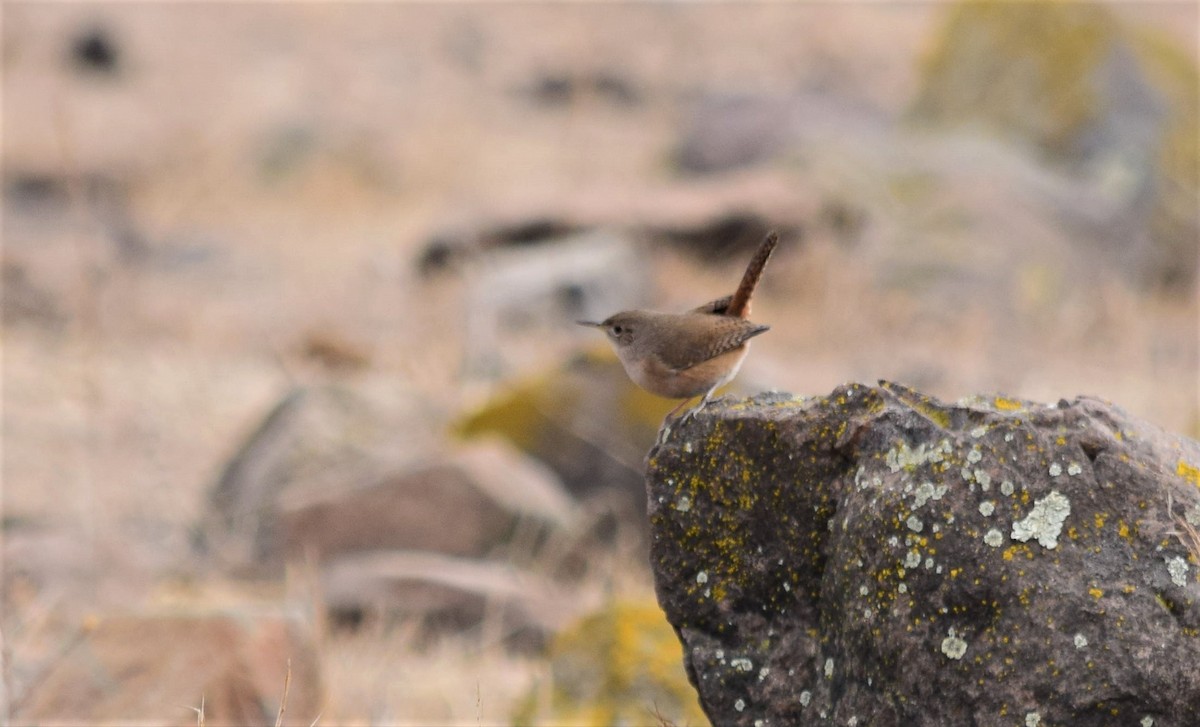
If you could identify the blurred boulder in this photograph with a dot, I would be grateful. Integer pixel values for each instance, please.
(733, 235)
(25, 301)
(618, 666)
(95, 50)
(525, 291)
(464, 504)
(588, 422)
(876, 556)
(1114, 104)
(728, 131)
(317, 439)
(160, 668)
(559, 88)
(444, 594)
(452, 248)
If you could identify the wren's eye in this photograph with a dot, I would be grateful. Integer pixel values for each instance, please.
(618, 330)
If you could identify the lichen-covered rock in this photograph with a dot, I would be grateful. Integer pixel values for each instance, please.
(877, 557)
(1105, 98)
(618, 666)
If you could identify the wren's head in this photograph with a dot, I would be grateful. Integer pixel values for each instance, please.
(621, 328)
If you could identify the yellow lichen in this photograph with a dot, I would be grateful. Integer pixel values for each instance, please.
(1188, 472)
(1007, 404)
(1096, 593)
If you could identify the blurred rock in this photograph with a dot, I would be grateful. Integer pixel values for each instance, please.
(95, 50)
(555, 89)
(157, 668)
(729, 236)
(880, 557)
(618, 666)
(327, 439)
(1114, 104)
(452, 248)
(447, 594)
(334, 352)
(465, 504)
(24, 301)
(589, 423)
(543, 287)
(730, 131)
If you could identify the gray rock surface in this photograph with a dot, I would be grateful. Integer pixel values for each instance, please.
(878, 557)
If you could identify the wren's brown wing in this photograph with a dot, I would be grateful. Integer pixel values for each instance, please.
(717, 307)
(697, 337)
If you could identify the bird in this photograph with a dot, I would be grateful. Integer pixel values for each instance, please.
(690, 354)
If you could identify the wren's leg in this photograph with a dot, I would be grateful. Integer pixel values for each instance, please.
(696, 409)
(665, 430)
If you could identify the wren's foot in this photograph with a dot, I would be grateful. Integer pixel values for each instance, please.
(691, 413)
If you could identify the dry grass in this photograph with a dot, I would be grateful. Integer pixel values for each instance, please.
(1187, 533)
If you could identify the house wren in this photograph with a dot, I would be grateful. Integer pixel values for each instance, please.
(684, 355)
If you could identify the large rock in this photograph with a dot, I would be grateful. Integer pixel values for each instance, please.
(1113, 103)
(877, 557)
(161, 668)
(616, 666)
(463, 503)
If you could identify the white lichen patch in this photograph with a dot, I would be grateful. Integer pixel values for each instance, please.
(683, 504)
(1193, 516)
(979, 431)
(953, 646)
(829, 668)
(863, 590)
(1006, 488)
(1045, 522)
(1055, 469)
(902, 588)
(914, 524)
(974, 455)
(986, 508)
(1080, 641)
(1033, 719)
(1147, 721)
(739, 705)
(805, 698)
(928, 563)
(702, 577)
(984, 480)
(1074, 469)
(1178, 568)
(742, 664)
(994, 538)
(904, 457)
(926, 492)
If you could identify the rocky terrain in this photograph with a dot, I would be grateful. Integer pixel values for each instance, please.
(288, 292)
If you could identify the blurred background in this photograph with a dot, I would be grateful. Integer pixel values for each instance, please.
(289, 367)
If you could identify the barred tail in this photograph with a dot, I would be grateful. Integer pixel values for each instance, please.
(739, 305)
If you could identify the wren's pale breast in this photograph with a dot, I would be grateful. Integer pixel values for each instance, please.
(681, 355)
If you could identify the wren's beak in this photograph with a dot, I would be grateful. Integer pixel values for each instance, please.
(590, 324)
